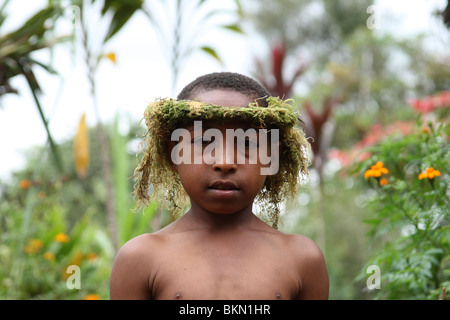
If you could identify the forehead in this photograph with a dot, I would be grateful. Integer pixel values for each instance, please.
(222, 97)
(202, 125)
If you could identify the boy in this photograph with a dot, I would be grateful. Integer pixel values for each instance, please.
(219, 249)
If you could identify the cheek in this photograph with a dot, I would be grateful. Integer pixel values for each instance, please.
(255, 178)
(190, 175)
(184, 173)
(262, 180)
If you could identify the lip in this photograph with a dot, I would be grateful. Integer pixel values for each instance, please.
(221, 185)
(225, 190)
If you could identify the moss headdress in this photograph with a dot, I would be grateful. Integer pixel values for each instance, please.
(154, 178)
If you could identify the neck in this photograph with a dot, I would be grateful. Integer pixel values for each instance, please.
(220, 221)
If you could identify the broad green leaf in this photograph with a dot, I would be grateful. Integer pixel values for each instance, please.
(212, 53)
(233, 27)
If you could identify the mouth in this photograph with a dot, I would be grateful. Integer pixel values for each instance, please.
(223, 185)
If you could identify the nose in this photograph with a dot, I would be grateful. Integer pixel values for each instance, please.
(224, 167)
(227, 161)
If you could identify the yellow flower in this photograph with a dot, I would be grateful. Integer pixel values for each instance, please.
(33, 246)
(92, 297)
(376, 170)
(429, 173)
(61, 237)
(112, 57)
(81, 148)
(49, 256)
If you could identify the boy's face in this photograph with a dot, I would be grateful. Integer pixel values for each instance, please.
(226, 186)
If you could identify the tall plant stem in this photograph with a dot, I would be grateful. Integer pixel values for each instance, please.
(103, 143)
(53, 148)
(176, 49)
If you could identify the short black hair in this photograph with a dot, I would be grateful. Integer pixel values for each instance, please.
(226, 81)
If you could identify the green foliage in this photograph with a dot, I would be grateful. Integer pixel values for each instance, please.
(330, 214)
(16, 58)
(180, 26)
(39, 206)
(411, 215)
(129, 224)
(38, 245)
(121, 11)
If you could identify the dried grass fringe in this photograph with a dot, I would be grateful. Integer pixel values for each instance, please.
(155, 179)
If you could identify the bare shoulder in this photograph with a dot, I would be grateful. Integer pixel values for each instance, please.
(131, 271)
(139, 249)
(311, 265)
(302, 246)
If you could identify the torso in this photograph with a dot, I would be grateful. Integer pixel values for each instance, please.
(229, 265)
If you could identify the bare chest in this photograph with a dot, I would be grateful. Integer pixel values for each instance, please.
(225, 272)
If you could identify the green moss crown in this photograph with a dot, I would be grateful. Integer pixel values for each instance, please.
(155, 179)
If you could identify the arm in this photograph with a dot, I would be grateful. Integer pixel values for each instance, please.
(130, 273)
(313, 272)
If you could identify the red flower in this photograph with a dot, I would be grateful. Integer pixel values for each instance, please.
(430, 103)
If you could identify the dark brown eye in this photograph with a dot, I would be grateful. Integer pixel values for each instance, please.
(247, 144)
(201, 141)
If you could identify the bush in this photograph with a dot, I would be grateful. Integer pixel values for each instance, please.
(409, 212)
(38, 246)
(51, 221)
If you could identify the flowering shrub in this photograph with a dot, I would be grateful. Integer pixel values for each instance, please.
(376, 171)
(37, 246)
(53, 225)
(409, 200)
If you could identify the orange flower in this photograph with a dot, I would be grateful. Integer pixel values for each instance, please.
(61, 237)
(429, 173)
(92, 297)
(49, 256)
(24, 184)
(376, 170)
(383, 181)
(91, 256)
(33, 246)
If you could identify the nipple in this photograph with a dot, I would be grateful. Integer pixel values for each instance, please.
(178, 295)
